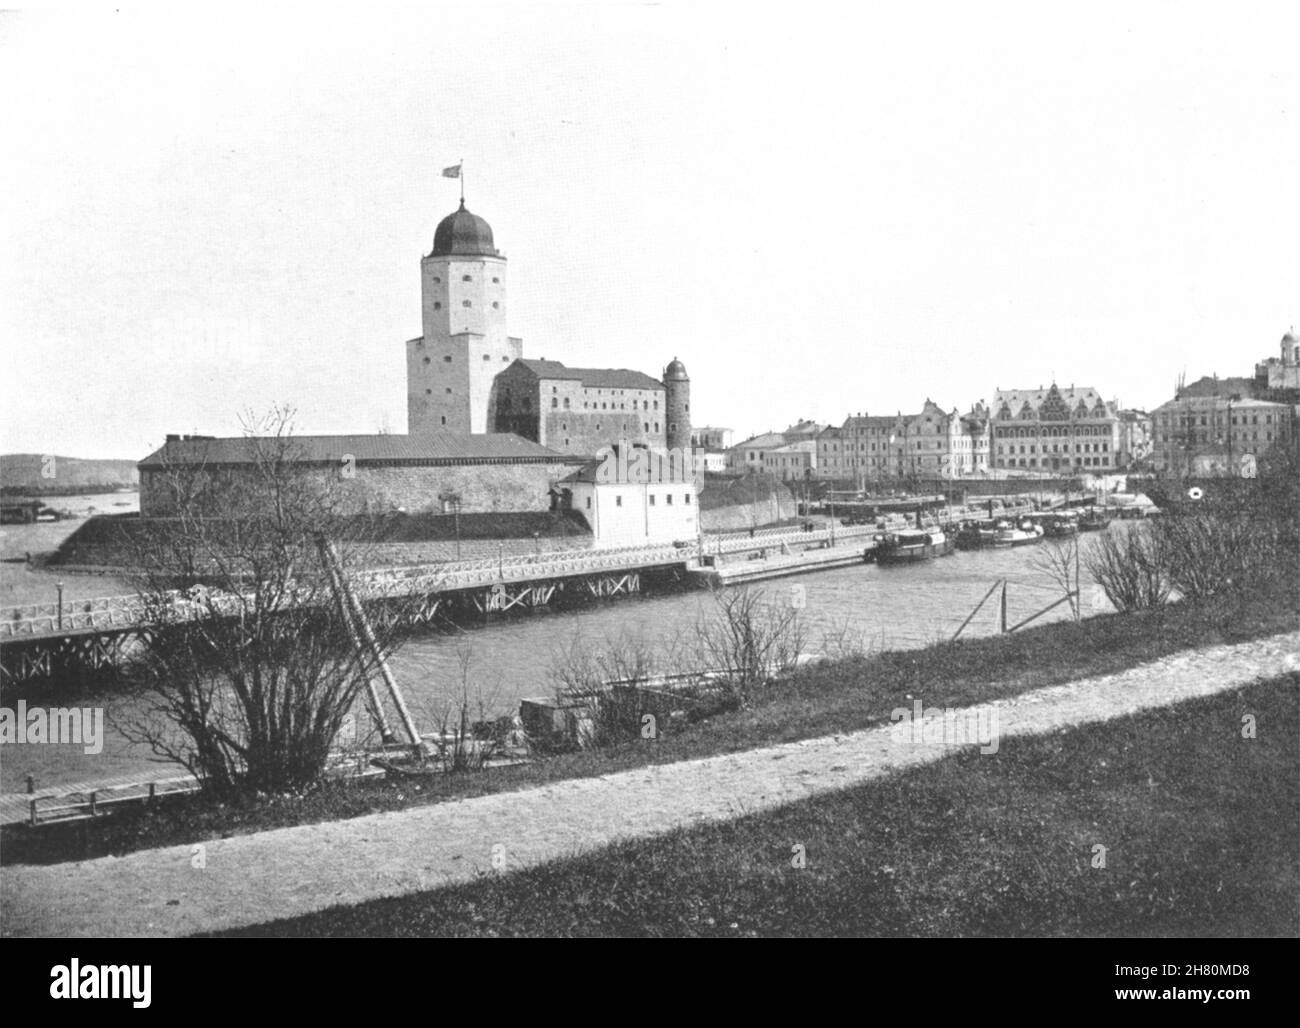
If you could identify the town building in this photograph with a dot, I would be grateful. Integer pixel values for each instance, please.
(711, 439)
(1054, 430)
(1135, 439)
(747, 456)
(1197, 434)
(869, 450)
(792, 462)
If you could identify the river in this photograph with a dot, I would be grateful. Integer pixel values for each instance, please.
(862, 606)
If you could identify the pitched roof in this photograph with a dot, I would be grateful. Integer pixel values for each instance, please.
(1209, 385)
(594, 378)
(437, 448)
(766, 441)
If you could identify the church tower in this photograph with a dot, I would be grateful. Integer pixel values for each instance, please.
(450, 368)
(677, 389)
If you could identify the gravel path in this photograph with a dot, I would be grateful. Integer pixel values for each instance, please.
(250, 879)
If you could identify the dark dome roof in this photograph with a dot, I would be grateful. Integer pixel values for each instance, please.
(463, 234)
(676, 371)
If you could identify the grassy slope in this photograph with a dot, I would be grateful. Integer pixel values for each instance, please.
(848, 695)
(1202, 829)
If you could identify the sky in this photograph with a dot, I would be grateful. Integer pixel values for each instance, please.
(821, 209)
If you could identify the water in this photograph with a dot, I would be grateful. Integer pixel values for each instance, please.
(502, 661)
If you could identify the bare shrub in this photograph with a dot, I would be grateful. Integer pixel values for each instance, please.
(1129, 562)
(748, 640)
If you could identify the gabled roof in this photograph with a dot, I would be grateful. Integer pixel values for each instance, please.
(593, 378)
(436, 448)
(766, 441)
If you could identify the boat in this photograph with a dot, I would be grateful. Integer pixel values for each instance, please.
(1093, 520)
(911, 544)
(1019, 533)
(1056, 524)
(974, 535)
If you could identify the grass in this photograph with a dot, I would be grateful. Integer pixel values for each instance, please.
(847, 695)
(1201, 829)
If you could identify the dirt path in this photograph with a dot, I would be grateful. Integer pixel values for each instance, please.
(254, 878)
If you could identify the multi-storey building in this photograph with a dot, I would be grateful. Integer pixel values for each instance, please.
(1054, 430)
(1283, 371)
(1212, 435)
(931, 443)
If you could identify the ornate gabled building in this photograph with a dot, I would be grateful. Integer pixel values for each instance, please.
(1054, 430)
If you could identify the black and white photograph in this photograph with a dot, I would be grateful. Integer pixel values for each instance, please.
(657, 470)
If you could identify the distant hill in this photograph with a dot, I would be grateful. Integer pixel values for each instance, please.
(37, 474)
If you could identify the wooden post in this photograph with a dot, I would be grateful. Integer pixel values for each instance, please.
(153, 792)
(31, 784)
(1004, 606)
(92, 804)
(367, 633)
(32, 812)
(376, 705)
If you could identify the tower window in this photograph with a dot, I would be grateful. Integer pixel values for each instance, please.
(437, 306)
(444, 419)
(449, 390)
(467, 278)
(618, 501)
(487, 357)
(505, 358)
(428, 392)
(555, 402)
(426, 360)
(495, 280)
(466, 303)
(495, 304)
(447, 359)
(436, 278)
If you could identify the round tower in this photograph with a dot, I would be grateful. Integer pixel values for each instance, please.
(677, 390)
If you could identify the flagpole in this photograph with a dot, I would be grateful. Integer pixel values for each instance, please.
(462, 181)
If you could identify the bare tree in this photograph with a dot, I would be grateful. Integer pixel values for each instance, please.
(1058, 559)
(254, 662)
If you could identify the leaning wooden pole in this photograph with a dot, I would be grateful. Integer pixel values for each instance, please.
(367, 633)
(336, 586)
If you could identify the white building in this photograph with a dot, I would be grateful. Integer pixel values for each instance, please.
(632, 513)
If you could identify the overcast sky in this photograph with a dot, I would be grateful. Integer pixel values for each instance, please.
(820, 210)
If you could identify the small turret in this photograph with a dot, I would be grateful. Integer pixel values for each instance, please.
(677, 388)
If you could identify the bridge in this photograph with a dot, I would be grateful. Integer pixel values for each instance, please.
(38, 640)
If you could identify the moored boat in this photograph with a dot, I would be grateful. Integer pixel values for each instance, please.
(1021, 533)
(974, 535)
(912, 544)
(1093, 520)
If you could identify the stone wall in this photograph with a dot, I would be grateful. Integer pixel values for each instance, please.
(415, 489)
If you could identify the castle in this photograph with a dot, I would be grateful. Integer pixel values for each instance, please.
(467, 374)
(485, 425)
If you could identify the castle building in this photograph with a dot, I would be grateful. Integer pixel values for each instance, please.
(451, 367)
(467, 374)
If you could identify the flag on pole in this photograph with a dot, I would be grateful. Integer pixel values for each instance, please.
(452, 172)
